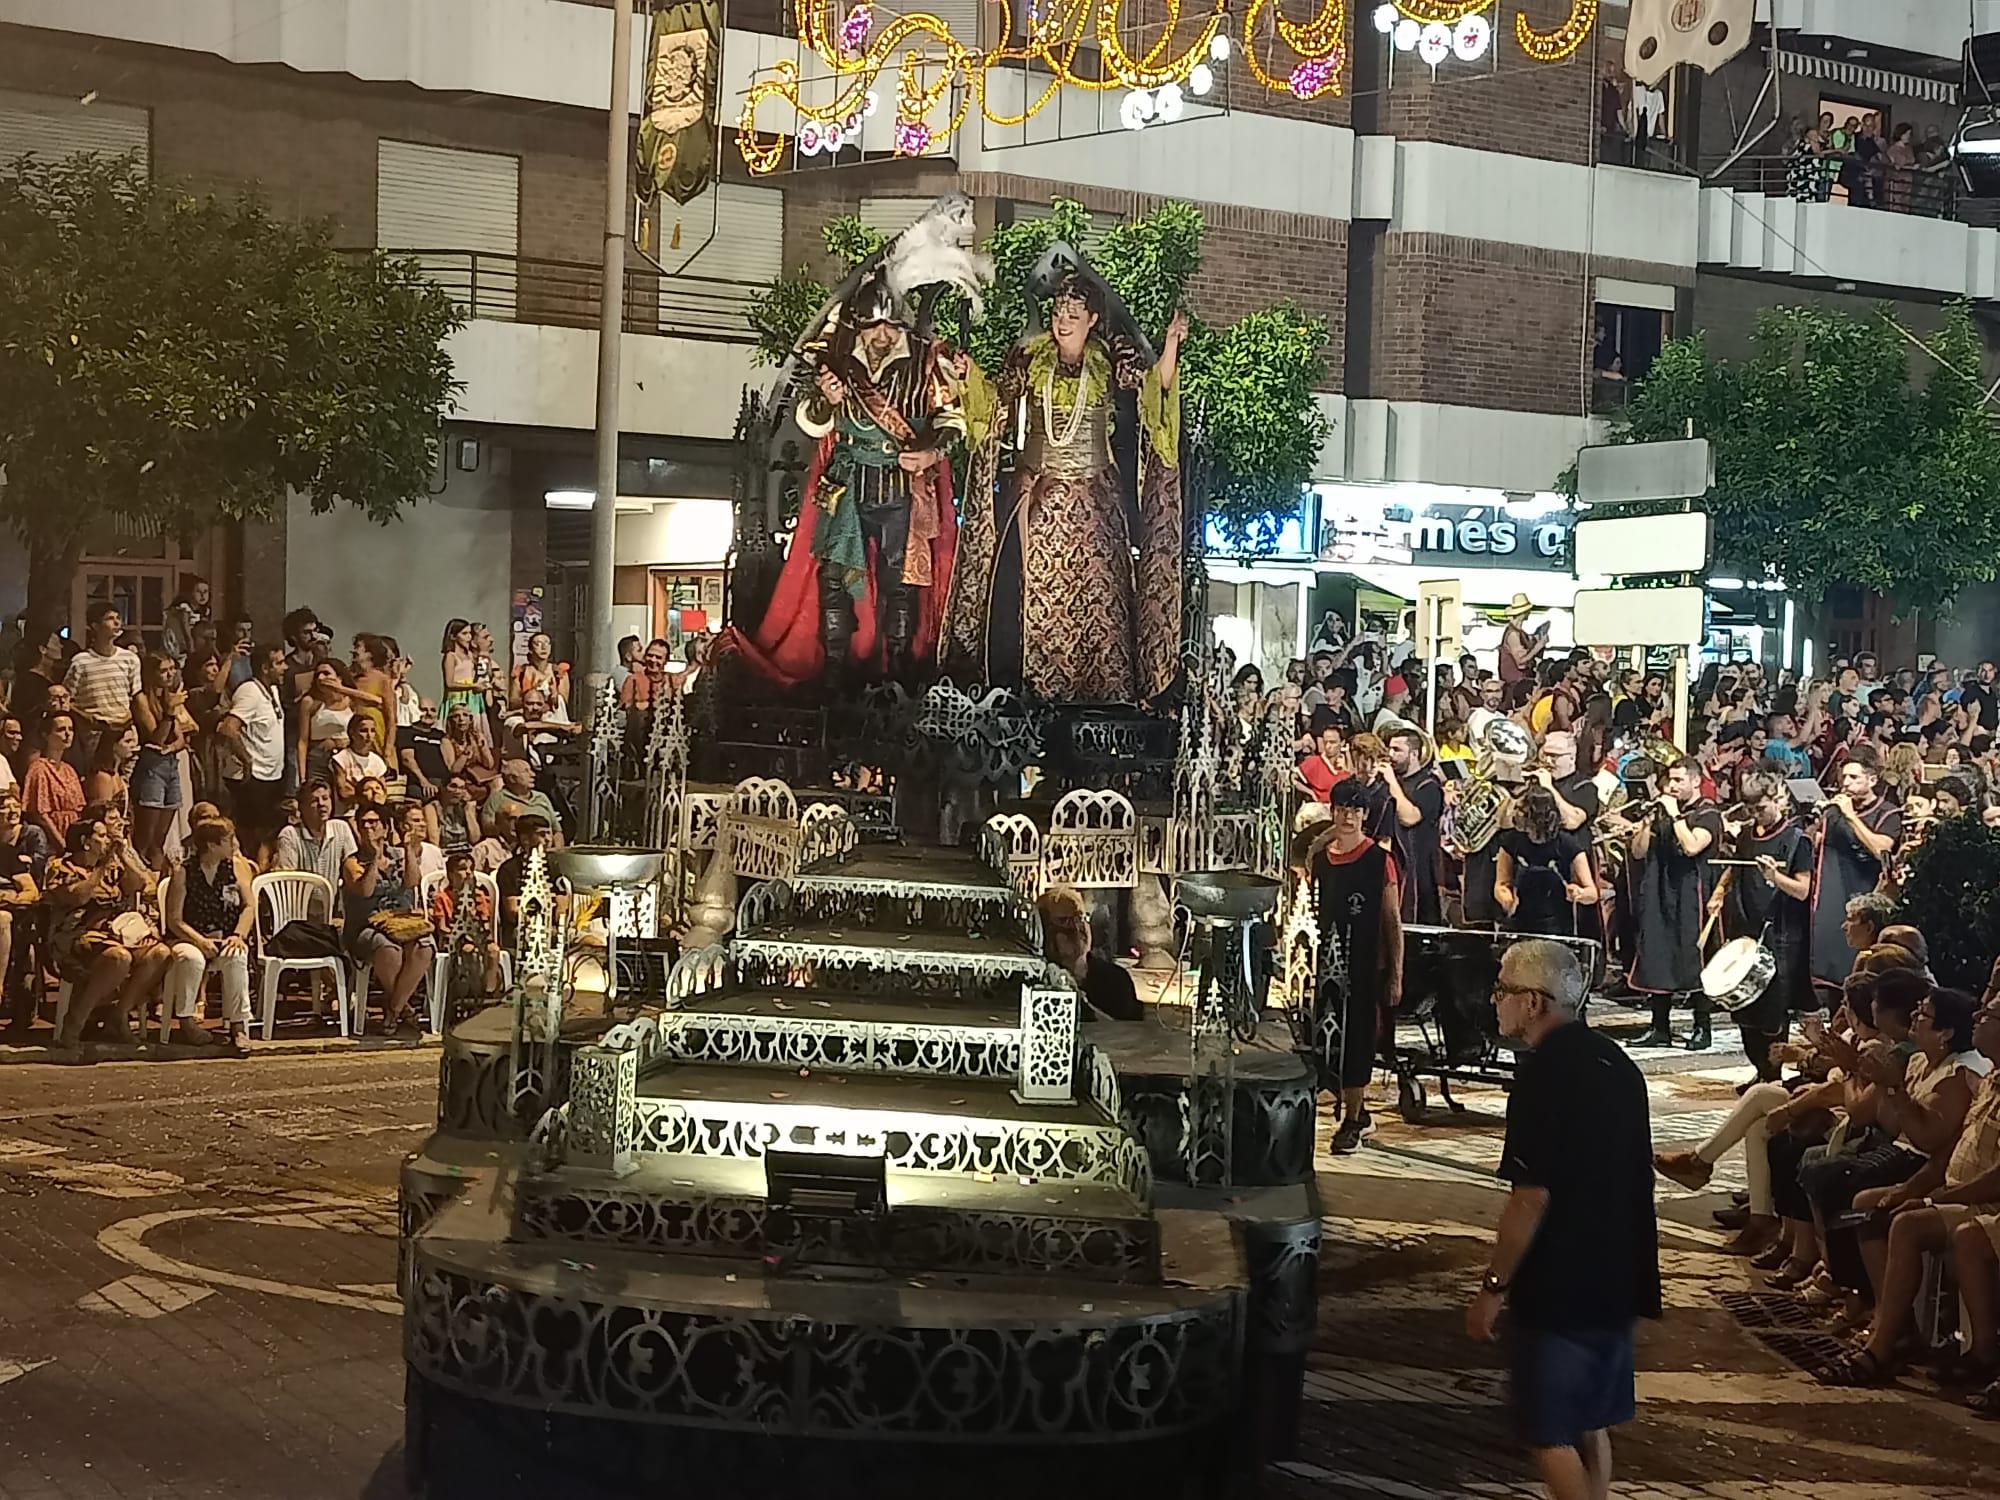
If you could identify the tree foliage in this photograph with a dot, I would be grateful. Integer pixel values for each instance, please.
(1843, 454)
(180, 361)
(1252, 380)
(1952, 895)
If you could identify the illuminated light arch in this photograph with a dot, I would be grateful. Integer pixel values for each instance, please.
(927, 59)
(1556, 45)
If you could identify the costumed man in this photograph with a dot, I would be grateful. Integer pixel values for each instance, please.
(1858, 835)
(1769, 904)
(1047, 593)
(1358, 894)
(871, 558)
(1670, 856)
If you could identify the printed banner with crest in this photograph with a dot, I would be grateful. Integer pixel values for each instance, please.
(677, 131)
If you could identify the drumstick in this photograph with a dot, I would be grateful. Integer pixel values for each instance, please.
(1721, 888)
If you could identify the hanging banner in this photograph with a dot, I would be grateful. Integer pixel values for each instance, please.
(677, 131)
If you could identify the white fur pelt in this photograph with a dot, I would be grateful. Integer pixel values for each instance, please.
(939, 248)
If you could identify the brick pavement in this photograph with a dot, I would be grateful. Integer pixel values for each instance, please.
(195, 1304)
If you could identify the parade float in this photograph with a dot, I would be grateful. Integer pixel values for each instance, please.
(796, 1154)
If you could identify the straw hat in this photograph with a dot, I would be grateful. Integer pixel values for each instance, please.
(1518, 607)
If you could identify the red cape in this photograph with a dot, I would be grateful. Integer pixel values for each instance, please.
(787, 646)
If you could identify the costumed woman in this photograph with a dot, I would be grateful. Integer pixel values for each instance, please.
(865, 579)
(1048, 594)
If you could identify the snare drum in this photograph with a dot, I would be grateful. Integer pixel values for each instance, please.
(1740, 971)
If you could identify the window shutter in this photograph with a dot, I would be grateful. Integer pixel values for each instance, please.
(461, 204)
(719, 274)
(55, 126)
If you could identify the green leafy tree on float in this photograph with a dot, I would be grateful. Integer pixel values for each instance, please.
(1252, 380)
(181, 361)
(1843, 455)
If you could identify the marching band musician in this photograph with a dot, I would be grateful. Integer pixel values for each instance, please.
(1418, 793)
(1670, 855)
(1770, 904)
(1575, 790)
(1858, 835)
(1542, 870)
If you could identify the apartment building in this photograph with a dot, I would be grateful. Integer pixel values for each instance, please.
(1475, 240)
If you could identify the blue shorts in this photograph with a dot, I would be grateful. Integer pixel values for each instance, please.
(1568, 1384)
(156, 780)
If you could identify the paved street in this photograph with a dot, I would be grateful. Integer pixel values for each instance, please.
(196, 1301)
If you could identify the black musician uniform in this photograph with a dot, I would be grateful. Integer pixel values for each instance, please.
(1417, 851)
(1580, 790)
(1349, 889)
(1670, 891)
(1845, 870)
(1756, 908)
(1541, 881)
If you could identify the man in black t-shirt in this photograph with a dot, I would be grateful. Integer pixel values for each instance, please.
(1418, 793)
(1577, 1257)
(420, 752)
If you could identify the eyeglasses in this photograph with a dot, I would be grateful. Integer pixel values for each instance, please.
(1500, 989)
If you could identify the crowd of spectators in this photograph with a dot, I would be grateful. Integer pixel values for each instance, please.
(144, 787)
(1859, 163)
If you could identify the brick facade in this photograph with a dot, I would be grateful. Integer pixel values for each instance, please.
(308, 142)
(1473, 323)
(1510, 103)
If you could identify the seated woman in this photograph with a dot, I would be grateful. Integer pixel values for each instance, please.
(110, 766)
(1803, 1127)
(1107, 988)
(1957, 1190)
(22, 868)
(468, 751)
(454, 817)
(412, 823)
(360, 761)
(209, 921)
(379, 886)
(103, 946)
(51, 791)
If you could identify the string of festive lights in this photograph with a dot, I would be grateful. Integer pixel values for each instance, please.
(1318, 44)
(1083, 44)
(1554, 46)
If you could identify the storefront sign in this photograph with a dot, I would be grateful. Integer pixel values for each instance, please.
(1356, 532)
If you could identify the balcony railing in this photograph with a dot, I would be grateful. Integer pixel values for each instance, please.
(1931, 194)
(516, 289)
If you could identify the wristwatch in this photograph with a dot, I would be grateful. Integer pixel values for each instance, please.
(1492, 1283)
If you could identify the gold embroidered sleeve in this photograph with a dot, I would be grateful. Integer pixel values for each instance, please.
(1160, 416)
(978, 401)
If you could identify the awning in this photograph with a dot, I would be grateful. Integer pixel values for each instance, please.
(1866, 79)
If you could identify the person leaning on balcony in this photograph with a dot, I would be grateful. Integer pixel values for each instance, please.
(1899, 168)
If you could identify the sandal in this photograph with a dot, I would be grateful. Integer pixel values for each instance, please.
(1863, 1368)
(1793, 1273)
(1773, 1259)
(1985, 1403)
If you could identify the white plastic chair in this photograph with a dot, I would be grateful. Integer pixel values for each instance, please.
(289, 896)
(441, 964)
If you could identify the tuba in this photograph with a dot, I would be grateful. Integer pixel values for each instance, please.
(1482, 804)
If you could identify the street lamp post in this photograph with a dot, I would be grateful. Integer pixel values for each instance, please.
(601, 653)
